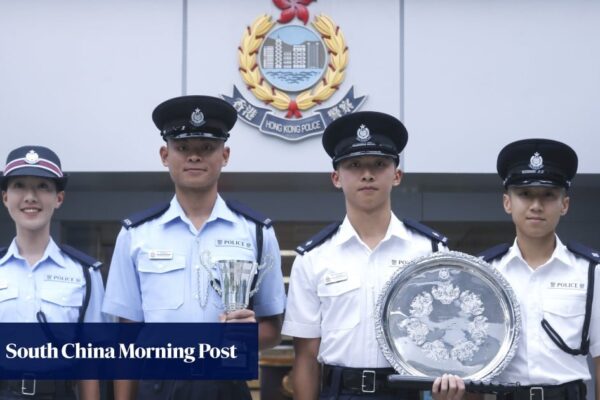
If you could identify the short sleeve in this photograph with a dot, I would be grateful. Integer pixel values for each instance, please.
(123, 297)
(269, 300)
(303, 310)
(94, 311)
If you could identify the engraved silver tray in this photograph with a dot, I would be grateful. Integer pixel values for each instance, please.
(448, 312)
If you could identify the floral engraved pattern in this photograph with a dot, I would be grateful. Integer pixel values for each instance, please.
(478, 329)
(470, 303)
(422, 305)
(464, 350)
(436, 350)
(417, 330)
(445, 292)
(458, 343)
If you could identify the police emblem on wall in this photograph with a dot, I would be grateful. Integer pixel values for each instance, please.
(294, 70)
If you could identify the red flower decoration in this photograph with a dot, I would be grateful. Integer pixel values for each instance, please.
(291, 9)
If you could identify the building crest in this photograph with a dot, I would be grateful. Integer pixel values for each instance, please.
(293, 69)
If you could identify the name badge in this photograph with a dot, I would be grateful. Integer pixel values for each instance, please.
(160, 254)
(397, 263)
(337, 277)
(3, 284)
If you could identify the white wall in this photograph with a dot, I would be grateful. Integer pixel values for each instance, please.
(84, 76)
(480, 74)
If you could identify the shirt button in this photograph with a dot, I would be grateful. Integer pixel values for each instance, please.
(197, 267)
(30, 275)
(195, 296)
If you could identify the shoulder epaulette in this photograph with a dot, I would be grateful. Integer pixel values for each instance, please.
(80, 256)
(3, 251)
(425, 230)
(493, 253)
(319, 238)
(249, 213)
(584, 251)
(145, 215)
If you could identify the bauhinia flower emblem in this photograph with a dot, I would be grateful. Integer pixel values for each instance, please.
(291, 9)
(419, 324)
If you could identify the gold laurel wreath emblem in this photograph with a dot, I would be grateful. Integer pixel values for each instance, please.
(334, 76)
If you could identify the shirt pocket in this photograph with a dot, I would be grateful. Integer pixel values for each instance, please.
(9, 293)
(61, 302)
(566, 315)
(162, 283)
(8, 303)
(340, 304)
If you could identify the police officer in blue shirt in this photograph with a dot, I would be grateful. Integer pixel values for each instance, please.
(156, 273)
(41, 281)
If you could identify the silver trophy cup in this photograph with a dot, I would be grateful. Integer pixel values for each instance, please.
(232, 279)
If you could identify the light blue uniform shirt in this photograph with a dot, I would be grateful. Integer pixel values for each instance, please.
(156, 273)
(54, 285)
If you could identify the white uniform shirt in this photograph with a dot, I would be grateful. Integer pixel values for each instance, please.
(555, 291)
(334, 290)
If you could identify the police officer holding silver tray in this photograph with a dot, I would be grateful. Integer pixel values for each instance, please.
(554, 282)
(338, 274)
(41, 281)
(157, 272)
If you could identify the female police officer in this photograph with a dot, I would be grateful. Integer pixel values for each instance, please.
(40, 280)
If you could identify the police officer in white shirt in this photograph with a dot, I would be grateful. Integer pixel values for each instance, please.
(337, 277)
(41, 281)
(156, 273)
(554, 282)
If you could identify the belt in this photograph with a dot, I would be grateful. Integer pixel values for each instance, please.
(357, 380)
(29, 387)
(575, 390)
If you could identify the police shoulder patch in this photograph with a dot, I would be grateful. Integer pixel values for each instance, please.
(249, 213)
(424, 230)
(584, 251)
(80, 256)
(319, 238)
(3, 251)
(145, 215)
(494, 253)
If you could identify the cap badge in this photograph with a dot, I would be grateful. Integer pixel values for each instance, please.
(536, 161)
(197, 118)
(32, 157)
(363, 134)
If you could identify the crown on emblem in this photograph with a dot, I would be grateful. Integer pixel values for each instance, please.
(197, 118)
(536, 161)
(32, 157)
(363, 134)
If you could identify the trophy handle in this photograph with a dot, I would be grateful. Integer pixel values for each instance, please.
(207, 262)
(268, 262)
